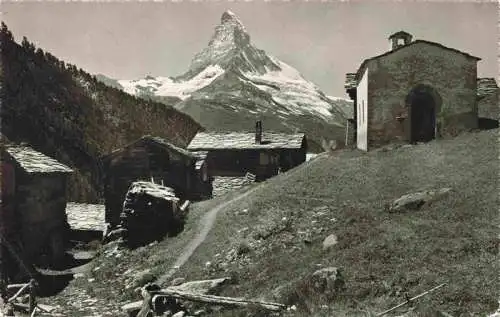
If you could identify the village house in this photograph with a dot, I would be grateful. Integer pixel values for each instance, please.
(258, 153)
(488, 102)
(33, 217)
(153, 158)
(415, 92)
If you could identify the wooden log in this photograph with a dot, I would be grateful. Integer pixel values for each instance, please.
(10, 286)
(217, 300)
(19, 306)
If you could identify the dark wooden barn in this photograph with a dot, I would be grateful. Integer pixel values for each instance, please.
(258, 153)
(33, 213)
(153, 158)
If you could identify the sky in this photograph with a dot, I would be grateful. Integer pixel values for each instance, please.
(322, 40)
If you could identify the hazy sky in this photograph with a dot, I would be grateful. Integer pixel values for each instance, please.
(323, 40)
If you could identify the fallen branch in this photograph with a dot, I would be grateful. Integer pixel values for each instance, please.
(154, 294)
(410, 300)
(217, 300)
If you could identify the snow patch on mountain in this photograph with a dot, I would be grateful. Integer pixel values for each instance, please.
(290, 90)
(166, 86)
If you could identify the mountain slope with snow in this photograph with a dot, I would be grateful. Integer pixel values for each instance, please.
(231, 83)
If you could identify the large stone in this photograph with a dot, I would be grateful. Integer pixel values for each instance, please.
(415, 201)
(177, 281)
(328, 280)
(329, 241)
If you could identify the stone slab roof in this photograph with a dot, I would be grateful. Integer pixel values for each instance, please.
(154, 190)
(157, 141)
(486, 86)
(350, 81)
(245, 141)
(165, 143)
(35, 162)
(86, 216)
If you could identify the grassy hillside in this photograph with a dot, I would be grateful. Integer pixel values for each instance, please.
(66, 113)
(271, 241)
(382, 255)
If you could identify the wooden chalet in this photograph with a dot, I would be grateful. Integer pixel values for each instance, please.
(258, 153)
(153, 158)
(33, 218)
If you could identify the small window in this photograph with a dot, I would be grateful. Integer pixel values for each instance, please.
(264, 158)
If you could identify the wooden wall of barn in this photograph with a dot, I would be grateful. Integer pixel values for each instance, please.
(41, 204)
(237, 162)
(264, 163)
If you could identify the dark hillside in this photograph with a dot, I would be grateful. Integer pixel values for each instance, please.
(66, 113)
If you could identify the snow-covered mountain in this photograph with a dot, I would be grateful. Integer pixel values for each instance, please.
(230, 83)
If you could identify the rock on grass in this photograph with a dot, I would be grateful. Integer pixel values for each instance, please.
(415, 201)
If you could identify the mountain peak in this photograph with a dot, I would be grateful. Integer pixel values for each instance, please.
(229, 15)
(230, 32)
(230, 36)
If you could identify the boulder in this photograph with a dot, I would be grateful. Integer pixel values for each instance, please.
(177, 281)
(328, 280)
(329, 241)
(415, 201)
